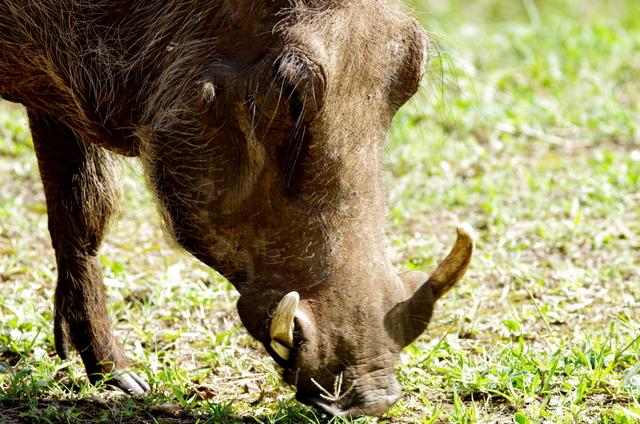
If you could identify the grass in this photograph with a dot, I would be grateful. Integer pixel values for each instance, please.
(528, 127)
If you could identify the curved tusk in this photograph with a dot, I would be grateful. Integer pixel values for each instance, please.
(413, 315)
(447, 274)
(282, 325)
(282, 351)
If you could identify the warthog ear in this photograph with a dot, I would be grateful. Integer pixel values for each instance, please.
(409, 319)
(282, 325)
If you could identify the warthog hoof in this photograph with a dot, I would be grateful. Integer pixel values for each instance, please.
(129, 382)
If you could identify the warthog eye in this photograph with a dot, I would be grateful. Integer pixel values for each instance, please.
(304, 80)
(286, 95)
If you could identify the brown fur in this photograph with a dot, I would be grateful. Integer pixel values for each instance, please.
(261, 126)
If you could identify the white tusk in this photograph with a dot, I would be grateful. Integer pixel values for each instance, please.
(282, 351)
(282, 325)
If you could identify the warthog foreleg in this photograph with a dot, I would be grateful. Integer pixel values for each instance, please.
(81, 188)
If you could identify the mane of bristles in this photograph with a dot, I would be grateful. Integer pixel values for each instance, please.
(86, 61)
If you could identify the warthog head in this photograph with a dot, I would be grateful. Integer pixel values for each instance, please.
(267, 161)
(350, 339)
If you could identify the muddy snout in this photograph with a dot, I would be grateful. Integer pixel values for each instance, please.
(348, 407)
(356, 400)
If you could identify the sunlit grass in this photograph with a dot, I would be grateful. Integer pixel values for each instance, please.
(535, 142)
(527, 127)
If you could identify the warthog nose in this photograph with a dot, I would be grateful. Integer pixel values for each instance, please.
(372, 405)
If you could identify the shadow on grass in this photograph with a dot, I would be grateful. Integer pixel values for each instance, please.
(138, 410)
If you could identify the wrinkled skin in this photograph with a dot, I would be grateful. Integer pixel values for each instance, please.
(260, 125)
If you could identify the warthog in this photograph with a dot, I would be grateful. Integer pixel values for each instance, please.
(260, 125)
